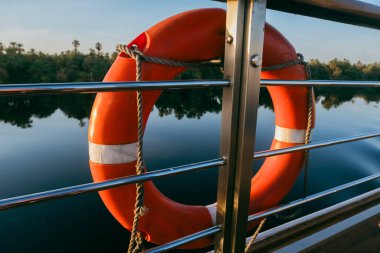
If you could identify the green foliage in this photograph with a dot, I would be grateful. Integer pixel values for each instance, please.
(16, 66)
(344, 70)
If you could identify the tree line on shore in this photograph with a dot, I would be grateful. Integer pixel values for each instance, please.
(20, 66)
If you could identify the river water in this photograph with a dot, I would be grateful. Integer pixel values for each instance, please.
(44, 146)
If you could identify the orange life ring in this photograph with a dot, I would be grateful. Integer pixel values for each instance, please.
(191, 36)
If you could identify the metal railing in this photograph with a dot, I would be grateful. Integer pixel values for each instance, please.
(329, 216)
(245, 22)
(103, 185)
(320, 144)
(92, 87)
(321, 83)
(311, 198)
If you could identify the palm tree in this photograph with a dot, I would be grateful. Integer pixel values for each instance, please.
(13, 44)
(98, 47)
(12, 48)
(76, 44)
(20, 48)
(32, 51)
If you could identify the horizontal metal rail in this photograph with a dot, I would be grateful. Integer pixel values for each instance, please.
(185, 240)
(348, 11)
(313, 145)
(306, 225)
(313, 197)
(321, 83)
(92, 87)
(98, 186)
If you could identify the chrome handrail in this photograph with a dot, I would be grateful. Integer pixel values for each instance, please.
(321, 83)
(216, 229)
(313, 197)
(92, 87)
(313, 145)
(90, 187)
(304, 225)
(185, 240)
(348, 11)
(103, 185)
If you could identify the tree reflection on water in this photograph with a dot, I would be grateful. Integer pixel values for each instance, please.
(20, 110)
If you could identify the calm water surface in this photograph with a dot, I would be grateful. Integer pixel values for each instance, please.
(44, 149)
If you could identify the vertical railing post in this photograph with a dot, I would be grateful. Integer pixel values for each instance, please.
(243, 54)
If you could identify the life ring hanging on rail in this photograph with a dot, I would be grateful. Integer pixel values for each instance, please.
(192, 36)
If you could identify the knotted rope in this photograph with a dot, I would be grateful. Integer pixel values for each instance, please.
(135, 243)
(136, 240)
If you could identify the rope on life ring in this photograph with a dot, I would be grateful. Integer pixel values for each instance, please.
(193, 36)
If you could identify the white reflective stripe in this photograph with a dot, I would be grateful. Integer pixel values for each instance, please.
(112, 154)
(289, 135)
(212, 210)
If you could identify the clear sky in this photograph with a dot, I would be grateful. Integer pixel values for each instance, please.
(50, 26)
